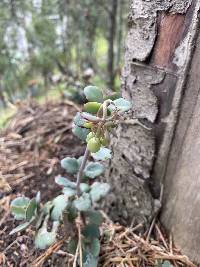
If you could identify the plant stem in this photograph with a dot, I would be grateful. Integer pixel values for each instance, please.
(80, 172)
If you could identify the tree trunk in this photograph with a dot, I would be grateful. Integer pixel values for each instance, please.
(111, 39)
(119, 32)
(181, 203)
(2, 97)
(160, 73)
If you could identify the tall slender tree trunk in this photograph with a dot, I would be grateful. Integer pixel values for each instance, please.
(119, 32)
(161, 78)
(2, 98)
(111, 39)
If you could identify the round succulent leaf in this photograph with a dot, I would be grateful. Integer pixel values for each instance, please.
(44, 239)
(81, 133)
(83, 203)
(93, 94)
(89, 136)
(93, 169)
(92, 107)
(89, 260)
(94, 144)
(70, 165)
(103, 154)
(98, 191)
(69, 192)
(95, 247)
(31, 209)
(62, 181)
(59, 204)
(18, 207)
(20, 228)
(80, 159)
(84, 187)
(95, 217)
(91, 231)
(121, 104)
(78, 120)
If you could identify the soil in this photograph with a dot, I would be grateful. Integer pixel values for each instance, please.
(41, 165)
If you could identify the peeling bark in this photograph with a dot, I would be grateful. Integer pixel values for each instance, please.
(148, 80)
(161, 78)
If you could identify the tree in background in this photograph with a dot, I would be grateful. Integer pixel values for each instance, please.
(44, 37)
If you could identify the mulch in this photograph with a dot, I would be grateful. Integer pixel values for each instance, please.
(31, 146)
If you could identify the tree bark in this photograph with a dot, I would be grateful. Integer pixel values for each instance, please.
(111, 39)
(158, 60)
(181, 212)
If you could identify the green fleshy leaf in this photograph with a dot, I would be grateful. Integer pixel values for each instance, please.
(20, 228)
(18, 207)
(70, 165)
(72, 245)
(92, 107)
(103, 154)
(121, 104)
(65, 182)
(80, 160)
(84, 187)
(43, 238)
(94, 216)
(93, 94)
(83, 203)
(91, 231)
(69, 192)
(59, 204)
(95, 247)
(81, 133)
(78, 120)
(90, 260)
(93, 169)
(98, 191)
(31, 209)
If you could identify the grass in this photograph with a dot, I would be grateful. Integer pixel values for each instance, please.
(5, 115)
(52, 94)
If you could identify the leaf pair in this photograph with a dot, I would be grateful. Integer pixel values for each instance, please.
(97, 192)
(24, 209)
(94, 94)
(72, 165)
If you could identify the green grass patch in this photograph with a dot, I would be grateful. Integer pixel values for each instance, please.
(5, 115)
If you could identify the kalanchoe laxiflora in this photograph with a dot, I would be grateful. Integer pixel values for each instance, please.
(75, 206)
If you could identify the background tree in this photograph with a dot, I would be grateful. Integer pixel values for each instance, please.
(46, 37)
